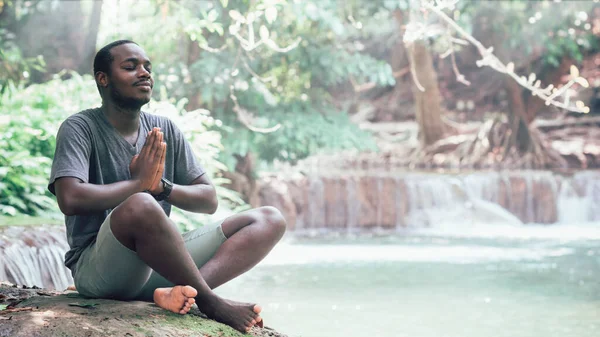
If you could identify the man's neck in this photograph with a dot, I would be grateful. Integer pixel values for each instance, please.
(125, 121)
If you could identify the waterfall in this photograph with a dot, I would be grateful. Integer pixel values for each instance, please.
(352, 205)
(316, 203)
(34, 256)
(414, 200)
(364, 201)
(431, 200)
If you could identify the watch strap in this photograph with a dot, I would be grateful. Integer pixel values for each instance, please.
(167, 188)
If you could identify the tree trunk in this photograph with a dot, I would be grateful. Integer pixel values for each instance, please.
(517, 117)
(427, 102)
(62, 46)
(193, 54)
(243, 179)
(89, 47)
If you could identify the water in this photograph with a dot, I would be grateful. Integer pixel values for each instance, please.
(493, 281)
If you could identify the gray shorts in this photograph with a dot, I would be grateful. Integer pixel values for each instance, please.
(107, 269)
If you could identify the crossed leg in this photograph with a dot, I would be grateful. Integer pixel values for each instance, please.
(141, 225)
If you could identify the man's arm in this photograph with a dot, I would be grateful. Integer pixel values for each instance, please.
(76, 197)
(200, 196)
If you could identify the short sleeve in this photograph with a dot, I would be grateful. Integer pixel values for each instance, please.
(73, 150)
(187, 166)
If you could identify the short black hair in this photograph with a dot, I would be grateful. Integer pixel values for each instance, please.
(104, 58)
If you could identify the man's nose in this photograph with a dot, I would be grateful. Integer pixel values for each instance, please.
(144, 73)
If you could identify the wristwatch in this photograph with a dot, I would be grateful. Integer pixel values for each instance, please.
(167, 188)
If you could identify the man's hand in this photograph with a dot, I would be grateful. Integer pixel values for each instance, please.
(145, 167)
(157, 186)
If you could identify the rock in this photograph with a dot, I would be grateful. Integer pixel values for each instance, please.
(36, 312)
(382, 200)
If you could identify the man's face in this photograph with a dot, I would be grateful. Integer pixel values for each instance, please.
(130, 80)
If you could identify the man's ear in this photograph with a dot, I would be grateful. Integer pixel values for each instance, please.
(101, 79)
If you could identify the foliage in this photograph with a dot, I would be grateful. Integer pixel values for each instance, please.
(244, 54)
(262, 62)
(331, 130)
(14, 68)
(544, 28)
(30, 118)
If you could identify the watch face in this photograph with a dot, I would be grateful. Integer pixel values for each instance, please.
(167, 188)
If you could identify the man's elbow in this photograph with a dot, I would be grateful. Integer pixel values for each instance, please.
(66, 207)
(212, 205)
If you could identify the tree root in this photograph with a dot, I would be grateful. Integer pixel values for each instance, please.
(489, 148)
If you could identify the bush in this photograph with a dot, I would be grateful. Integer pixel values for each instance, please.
(30, 118)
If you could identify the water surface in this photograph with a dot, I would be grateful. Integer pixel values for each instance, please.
(479, 281)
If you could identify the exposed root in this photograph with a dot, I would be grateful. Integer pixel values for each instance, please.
(489, 148)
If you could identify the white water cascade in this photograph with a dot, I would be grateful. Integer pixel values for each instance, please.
(366, 202)
(391, 200)
(34, 256)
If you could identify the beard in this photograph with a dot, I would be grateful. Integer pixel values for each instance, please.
(126, 103)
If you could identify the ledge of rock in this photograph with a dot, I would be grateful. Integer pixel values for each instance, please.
(38, 312)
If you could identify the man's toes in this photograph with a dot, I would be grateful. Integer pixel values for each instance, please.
(185, 309)
(257, 308)
(191, 301)
(189, 291)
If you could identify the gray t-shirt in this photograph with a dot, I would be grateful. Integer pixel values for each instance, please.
(88, 147)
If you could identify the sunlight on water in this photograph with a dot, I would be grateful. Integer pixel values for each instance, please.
(559, 232)
(288, 254)
(487, 281)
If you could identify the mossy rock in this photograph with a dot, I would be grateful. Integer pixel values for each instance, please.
(37, 312)
(25, 220)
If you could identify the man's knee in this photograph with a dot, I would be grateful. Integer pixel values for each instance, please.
(273, 218)
(136, 212)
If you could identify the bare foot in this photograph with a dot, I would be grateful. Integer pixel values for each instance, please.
(178, 299)
(240, 316)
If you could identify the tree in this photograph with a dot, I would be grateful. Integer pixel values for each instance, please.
(516, 143)
(66, 45)
(425, 86)
(14, 67)
(260, 64)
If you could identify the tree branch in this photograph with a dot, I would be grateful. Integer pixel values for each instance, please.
(548, 94)
(246, 118)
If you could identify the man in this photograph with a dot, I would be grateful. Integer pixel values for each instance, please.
(116, 173)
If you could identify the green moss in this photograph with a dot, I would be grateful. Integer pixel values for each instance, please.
(201, 325)
(25, 220)
(142, 330)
